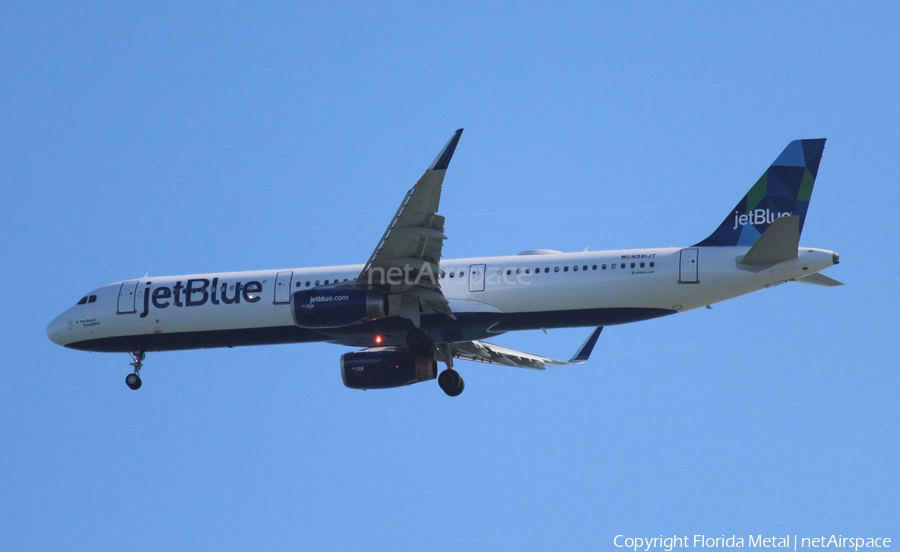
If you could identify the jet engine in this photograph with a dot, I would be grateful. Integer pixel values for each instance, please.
(386, 367)
(334, 308)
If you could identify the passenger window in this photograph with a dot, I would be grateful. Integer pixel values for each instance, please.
(527, 271)
(508, 271)
(452, 274)
(575, 268)
(317, 282)
(632, 265)
(83, 300)
(585, 267)
(594, 267)
(613, 266)
(565, 269)
(92, 298)
(307, 283)
(603, 266)
(622, 265)
(642, 265)
(546, 269)
(518, 271)
(555, 269)
(652, 264)
(461, 274)
(326, 282)
(298, 284)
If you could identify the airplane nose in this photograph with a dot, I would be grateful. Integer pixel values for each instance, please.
(56, 330)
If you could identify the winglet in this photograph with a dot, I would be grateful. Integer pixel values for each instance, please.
(584, 352)
(442, 161)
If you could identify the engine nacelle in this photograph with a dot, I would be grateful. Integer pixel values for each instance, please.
(385, 367)
(334, 308)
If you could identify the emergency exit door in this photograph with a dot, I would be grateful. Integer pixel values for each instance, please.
(476, 277)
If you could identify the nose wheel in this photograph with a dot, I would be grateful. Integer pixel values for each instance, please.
(133, 380)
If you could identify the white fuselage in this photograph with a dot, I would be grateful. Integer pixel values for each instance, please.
(488, 295)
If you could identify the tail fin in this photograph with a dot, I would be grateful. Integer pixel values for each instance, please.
(783, 190)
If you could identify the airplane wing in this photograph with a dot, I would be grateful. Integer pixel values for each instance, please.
(480, 351)
(405, 263)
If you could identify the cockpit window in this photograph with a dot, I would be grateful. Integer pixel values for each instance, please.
(92, 298)
(83, 300)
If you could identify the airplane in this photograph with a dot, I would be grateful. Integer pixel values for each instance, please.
(408, 308)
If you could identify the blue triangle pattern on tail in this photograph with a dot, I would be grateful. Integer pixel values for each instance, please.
(783, 190)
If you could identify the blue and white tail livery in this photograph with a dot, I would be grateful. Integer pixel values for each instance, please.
(408, 309)
(783, 190)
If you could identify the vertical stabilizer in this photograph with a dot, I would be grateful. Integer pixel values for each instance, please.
(783, 190)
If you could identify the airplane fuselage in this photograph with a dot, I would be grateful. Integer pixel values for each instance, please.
(488, 296)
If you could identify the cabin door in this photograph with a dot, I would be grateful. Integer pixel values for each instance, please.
(688, 271)
(126, 297)
(283, 287)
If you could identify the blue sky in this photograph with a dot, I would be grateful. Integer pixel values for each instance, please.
(165, 139)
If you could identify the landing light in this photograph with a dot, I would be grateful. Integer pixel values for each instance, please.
(378, 340)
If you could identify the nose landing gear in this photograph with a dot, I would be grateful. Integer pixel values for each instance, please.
(133, 381)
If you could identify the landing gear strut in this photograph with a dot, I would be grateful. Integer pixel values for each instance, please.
(133, 381)
(451, 382)
(417, 339)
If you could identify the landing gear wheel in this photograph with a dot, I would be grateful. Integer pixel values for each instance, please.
(419, 342)
(133, 381)
(451, 382)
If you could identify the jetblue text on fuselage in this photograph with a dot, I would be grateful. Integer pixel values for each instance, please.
(198, 291)
(757, 216)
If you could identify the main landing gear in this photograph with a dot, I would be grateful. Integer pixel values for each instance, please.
(420, 343)
(451, 382)
(133, 381)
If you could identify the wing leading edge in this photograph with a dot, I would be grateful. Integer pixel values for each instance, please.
(406, 261)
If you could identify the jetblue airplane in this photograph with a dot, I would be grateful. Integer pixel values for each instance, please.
(409, 309)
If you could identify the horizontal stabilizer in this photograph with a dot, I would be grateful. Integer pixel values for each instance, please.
(819, 280)
(778, 243)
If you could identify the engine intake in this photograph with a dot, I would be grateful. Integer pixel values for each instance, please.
(334, 308)
(384, 368)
